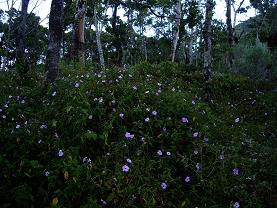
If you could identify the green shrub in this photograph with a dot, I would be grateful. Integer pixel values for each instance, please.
(254, 61)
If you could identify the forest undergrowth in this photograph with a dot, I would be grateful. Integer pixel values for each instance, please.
(137, 137)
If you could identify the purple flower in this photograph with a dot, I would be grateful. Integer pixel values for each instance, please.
(184, 120)
(142, 139)
(206, 139)
(125, 168)
(146, 119)
(87, 160)
(60, 153)
(129, 161)
(134, 197)
(43, 126)
(90, 117)
(56, 135)
(77, 84)
(236, 171)
(221, 157)
(46, 173)
(129, 135)
(121, 115)
(103, 202)
(154, 113)
(187, 179)
(236, 205)
(159, 152)
(163, 185)
(198, 166)
(168, 153)
(237, 120)
(195, 135)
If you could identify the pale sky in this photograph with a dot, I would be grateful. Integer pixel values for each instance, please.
(42, 9)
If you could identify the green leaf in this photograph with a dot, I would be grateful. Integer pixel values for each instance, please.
(90, 135)
(54, 123)
(34, 163)
(68, 109)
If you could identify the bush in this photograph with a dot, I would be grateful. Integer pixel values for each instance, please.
(253, 61)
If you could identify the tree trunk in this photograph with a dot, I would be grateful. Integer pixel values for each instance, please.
(236, 11)
(118, 44)
(55, 39)
(79, 31)
(128, 58)
(98, 39)
(143, 46)
(6, 58)
(20, 40)
(177, 34)
(191, 40)
(207, 68)
(229, 31)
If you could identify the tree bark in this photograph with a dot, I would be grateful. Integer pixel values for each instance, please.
(117, 44)
(6, 58)
(229, 31)
(55, 39)
(128, 58)
(98, 39)
(191, 40)
(177, 34)
(79, 31)
(236, 11)
(207, 68)
(20, 39)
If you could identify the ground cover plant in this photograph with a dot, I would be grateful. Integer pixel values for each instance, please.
(137, 137)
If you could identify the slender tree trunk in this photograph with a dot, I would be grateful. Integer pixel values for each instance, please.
(118, 44)
(63, 43)
(128, 59)
(230, 32)
(90, 39)
(191, 40)
(6, 59)
(20, 39)
(207, 68)
(236, 11)
(145, 48)
(98, 39)
(55, 39)
(177, 34)
(79, 31)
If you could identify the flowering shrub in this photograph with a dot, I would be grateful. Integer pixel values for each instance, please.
(141, 137)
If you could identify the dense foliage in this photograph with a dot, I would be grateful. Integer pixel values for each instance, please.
(137, 137)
